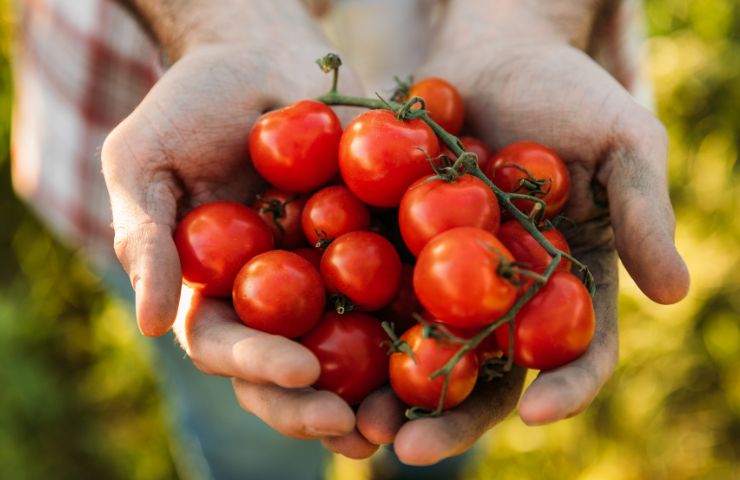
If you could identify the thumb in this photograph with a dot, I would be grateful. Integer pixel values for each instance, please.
(144, 206)
(635, 177)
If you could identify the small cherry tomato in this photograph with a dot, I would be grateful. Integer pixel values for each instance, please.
(432, 205)
(472, 144)
(313, 255)
(351, 349)
(214, 240)
(281, 211)
(443, 102)
(458, 278)
(295, 147)
(485, 350)
(364, 267)
(380, 156)
(555, 327)
(401, 310)
(332, 212)
(279, 292)
(532, 169)
(528, 251)
(410, 376)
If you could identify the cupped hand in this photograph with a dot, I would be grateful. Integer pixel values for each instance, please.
(542, 89)
(186, 144)
(271, 374)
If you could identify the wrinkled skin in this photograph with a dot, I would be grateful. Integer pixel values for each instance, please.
(184, 145)
(541, 88)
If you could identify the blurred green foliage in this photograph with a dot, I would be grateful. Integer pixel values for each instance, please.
(672, 409)
(79, 399)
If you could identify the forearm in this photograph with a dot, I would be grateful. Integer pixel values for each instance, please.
(181, 25)
(523, 21)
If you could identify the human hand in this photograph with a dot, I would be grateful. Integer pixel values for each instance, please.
(522, 80)
(186, 143)
(271, 374)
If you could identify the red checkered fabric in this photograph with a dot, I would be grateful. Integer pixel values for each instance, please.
(83, 65)
(80, 67)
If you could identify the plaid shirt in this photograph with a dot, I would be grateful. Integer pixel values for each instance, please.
(83, 65)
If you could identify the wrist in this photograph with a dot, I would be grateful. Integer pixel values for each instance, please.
(181, 26)
(520, 22)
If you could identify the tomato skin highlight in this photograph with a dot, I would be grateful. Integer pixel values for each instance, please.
(380, 156)
(432, 205)
(409, 376)
(442, 102)
(279, 292)
(542, 163)
(295, 148)
(364, 267)
(555, 327)
(456, 278)
(214, 240)
(351, 349)
(527, 250)
(281, 211)
(332, 212)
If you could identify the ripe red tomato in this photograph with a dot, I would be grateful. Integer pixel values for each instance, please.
(457, 278)
(528, 161)
(313, 255)
(332, 212)
(443, 102)
(351, 349)
(281, 211)
(555, 327)
(401, 310)
(432, 205)
(364, 267)
(410, 375)
(295, 148)
(472, 144)
(214, 240)
(528, 251)
(279, 292)
(380, 156)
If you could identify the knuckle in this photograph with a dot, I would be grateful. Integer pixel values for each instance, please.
(639, 128)
(113, 152)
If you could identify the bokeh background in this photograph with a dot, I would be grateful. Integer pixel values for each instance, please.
(78, 397)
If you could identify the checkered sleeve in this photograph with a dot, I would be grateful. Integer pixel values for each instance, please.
(80, 67)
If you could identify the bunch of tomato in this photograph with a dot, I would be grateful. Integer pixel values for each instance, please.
(365, 226)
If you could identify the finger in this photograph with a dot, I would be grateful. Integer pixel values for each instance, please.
(427, 441)
(144, 208)
(304, 413)
(380, 416)
(568, 390)
(352, 445)
(644, 224)
(219, 344)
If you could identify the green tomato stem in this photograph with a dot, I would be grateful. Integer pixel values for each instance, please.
(466, 162)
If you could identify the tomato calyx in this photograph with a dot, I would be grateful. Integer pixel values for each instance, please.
(403, 86)
(275, 208)
(395, 344)
(323, 240)
(341, 304)
(492, 369)
(528, 191)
